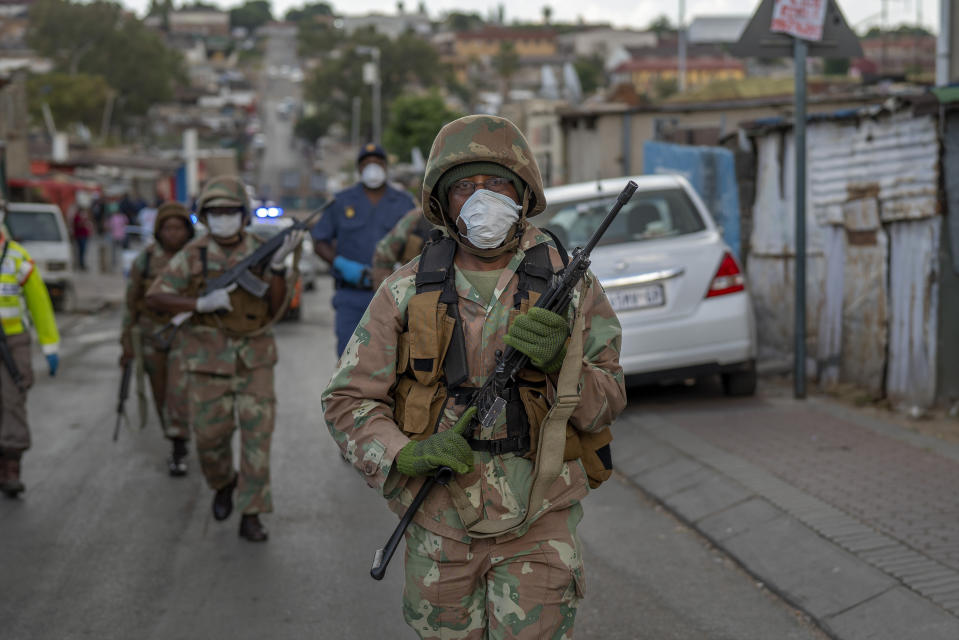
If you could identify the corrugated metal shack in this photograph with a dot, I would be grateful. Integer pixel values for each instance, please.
(874, 224)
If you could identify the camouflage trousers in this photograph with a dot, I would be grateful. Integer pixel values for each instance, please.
(526, 587)
(14, 429)
(217, 405)
(168, 383)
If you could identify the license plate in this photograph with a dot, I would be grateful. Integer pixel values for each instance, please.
(637, 297)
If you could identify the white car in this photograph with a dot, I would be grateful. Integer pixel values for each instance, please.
(676, 287)
(43, 233)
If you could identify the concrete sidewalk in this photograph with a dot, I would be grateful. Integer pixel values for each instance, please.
(852, 519)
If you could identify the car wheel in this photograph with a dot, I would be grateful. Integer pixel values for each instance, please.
(740, 383)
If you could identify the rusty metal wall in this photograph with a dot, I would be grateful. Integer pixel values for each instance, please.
(871, 298)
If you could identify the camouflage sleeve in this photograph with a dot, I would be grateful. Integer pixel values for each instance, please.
(358, 402)
(601, 383)
(175, 278)
(134, 293)
(390, 247)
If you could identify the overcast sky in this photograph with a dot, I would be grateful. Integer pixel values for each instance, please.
(621, 13)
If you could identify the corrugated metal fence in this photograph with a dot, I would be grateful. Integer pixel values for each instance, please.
(873, 238)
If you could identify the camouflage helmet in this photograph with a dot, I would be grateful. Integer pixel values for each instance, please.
(223, 191)
(481, 138)
(169, 210)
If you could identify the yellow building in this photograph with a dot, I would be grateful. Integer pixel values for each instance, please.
(486, 42)
(645, 73)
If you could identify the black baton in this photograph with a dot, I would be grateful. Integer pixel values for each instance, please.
(383, 556)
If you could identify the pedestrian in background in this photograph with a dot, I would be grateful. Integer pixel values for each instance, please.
(164, 366)
(118, 233)
(19, 279)
(347, 234)
(403, 243)
(495, 553)
(82, 230)
(229, 351)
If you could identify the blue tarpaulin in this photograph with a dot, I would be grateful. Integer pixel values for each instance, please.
(711, 171)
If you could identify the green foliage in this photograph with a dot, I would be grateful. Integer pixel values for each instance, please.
(901, 30)
(99, 39)
(250, 15)
(459, 21)
(665, 87)
(415, 121)
(506, 62)
(592, 75)
(661, 25)
(836, 66)
(407, 62)
(308, 12)
(78, 98)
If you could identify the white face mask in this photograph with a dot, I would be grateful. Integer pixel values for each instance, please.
(488, 217)
(224, 226)
(373, 176)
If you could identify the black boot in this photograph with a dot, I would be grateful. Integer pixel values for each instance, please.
(223, 501)
(177, 460)
(252, 529)
(10, 484)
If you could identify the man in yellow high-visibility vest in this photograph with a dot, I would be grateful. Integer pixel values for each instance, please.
(19, 277)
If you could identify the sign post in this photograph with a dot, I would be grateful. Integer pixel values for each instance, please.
(798, 27)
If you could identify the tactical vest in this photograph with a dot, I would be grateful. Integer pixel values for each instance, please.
(416, 240)
(249, 313)
(431, 364)
(146, 280)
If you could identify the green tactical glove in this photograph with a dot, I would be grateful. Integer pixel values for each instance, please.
(445, 449)
(541, 335)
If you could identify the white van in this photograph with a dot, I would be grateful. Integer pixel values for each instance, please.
(43, 233)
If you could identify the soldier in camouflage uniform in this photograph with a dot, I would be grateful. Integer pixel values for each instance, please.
(403, 243)
(486, 557)
(171, 230)
(229, 352)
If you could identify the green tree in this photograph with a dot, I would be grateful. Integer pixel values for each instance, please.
(407, 63)
(836, 66)
(592, 75)
(308, 12)
(661, 25)
(459, 21)
(251, 14)
(547, 14)
(506, 64)
(100, 39)
(414, 122)
(77, 98)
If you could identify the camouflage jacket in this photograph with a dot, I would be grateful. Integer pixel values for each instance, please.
(389, 250)
(208, 349)
(142, 273)
(358, 402)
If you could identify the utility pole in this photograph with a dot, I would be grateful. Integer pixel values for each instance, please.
(371, 76)
(944, 72)
(681, 33)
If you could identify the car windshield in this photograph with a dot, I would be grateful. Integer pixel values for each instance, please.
(33, 226)
(648, 215)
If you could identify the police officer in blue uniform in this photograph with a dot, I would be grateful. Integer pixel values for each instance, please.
(347, 234)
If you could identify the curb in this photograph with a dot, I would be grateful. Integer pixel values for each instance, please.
(855, 582)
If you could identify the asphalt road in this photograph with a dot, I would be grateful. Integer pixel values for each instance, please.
(278, 160)
(104, 544)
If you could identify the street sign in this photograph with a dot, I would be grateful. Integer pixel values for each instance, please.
(800, 18)
(759, 41)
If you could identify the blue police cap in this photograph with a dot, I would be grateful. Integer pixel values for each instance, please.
(371, 149)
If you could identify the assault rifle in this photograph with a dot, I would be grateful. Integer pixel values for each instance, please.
(490, 400)
(122, 399)
(241, 275)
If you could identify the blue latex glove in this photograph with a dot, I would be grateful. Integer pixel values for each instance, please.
(351, 271)
(53, 361)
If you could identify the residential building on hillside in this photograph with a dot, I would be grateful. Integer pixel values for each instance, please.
(900, 54)
(645, 74)
(485, 43)
(199, 23)
(391, 26)
(601, 41)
